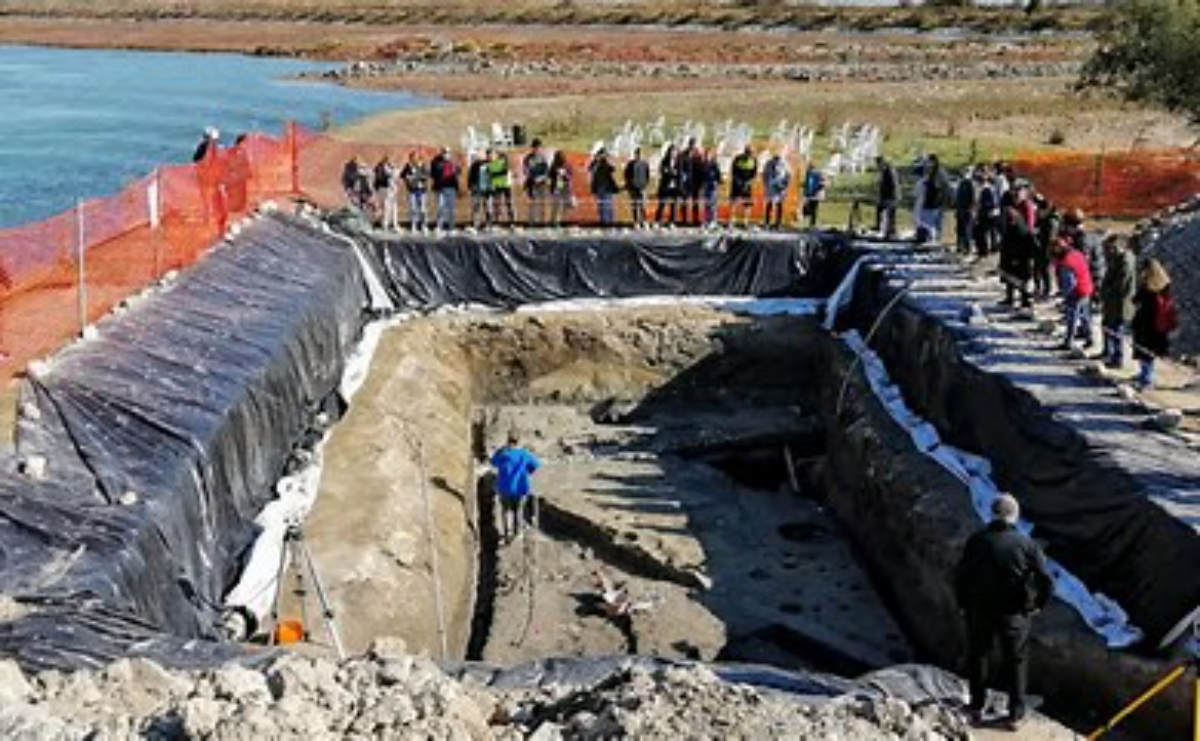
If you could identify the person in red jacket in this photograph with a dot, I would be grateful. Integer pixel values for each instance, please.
(1075, 282)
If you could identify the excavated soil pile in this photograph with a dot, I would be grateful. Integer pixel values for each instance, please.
(389, 694)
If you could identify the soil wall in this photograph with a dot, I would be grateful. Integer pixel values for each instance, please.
(911, 519)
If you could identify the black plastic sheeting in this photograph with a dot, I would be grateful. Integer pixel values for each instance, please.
(1094, 514)
(507, 271)
(915, 684)
(165, 435)
(164, 438)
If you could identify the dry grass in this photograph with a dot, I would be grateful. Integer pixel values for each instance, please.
(722, 13)
(960, 120)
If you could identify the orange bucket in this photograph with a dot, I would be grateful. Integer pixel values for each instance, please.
(288, 632)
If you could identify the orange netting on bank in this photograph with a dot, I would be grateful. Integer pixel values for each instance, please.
(1115, 184)
(62, 273)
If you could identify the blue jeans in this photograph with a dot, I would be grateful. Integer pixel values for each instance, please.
(416, 210)
(1145, 376)
(1079, 320)
(604, 204)
(446, 201)
(710, 205)
(1114, 344)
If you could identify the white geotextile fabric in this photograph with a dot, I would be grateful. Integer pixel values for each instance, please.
(736, 304)
(1102, 614)
(296, 495)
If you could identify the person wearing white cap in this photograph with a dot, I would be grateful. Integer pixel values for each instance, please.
(1001, 583)
(208, 141)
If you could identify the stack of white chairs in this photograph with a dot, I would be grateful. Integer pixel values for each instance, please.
(656, 133)
(501, 135)
(474, 143)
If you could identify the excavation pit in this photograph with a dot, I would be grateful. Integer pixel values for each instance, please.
(679, 449)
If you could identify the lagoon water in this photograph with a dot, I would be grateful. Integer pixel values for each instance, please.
(82, 123)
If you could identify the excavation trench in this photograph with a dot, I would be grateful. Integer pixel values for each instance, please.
(681, 510)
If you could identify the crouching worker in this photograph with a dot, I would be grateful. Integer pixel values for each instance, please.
(514, 466)
(1001, 583)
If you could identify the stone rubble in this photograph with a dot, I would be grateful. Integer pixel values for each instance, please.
(389, 694)
(1173, 237)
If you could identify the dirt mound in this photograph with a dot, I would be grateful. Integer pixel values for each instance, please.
(1174, 238)
(389, 694)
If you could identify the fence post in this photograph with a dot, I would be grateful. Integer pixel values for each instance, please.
(294, 156)
(80, 257)
(1097, 182)
(154, 205)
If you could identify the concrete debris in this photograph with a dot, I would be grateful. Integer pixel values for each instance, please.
(392, 695)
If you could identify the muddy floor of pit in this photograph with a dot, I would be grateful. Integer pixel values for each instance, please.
(719, 543)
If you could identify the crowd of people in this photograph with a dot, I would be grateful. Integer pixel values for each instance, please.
(687, 186)
(1043, 255)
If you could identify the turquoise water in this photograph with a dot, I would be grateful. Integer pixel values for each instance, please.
(81, 123)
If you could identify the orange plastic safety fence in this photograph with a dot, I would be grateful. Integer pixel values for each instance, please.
(1117, 184)
(58, 274)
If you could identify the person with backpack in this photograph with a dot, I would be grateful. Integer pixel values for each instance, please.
(479, 184)
(987, 218)
(444, 172)
(1117, 291)
(741, 185)
(562, 198)
(776, 178)
(416, 179)
(603, 185)
(814, 193)
(500, 175)
(888, 198)
(668, 186)
(387, 188)
(1001, 582)
(536, 172)
(712, 188)
(1155, 318)
(1075, 284)
(1048, 226)
(637, 180)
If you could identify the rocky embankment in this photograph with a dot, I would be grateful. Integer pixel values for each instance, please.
(391, 694)
(1173, 237)
(965, 60)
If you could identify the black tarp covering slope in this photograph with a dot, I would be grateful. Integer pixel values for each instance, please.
(164, 438)
(1088, 483)
(513, 270)
(192, 401)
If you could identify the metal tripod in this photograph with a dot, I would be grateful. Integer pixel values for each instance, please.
(295, 551)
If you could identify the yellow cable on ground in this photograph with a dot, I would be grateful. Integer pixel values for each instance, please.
(1142, 699)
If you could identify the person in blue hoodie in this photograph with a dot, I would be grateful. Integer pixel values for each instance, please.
(514, 466)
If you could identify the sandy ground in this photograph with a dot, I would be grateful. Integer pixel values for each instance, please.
(723, 569)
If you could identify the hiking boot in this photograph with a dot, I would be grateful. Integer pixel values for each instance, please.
(1014, 721)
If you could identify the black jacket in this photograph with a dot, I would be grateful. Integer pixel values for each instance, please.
(1002, 572)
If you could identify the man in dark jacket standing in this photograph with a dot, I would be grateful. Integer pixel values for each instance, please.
(1001, 583)
(1116, 299)
(637, 180)
(888, 199)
